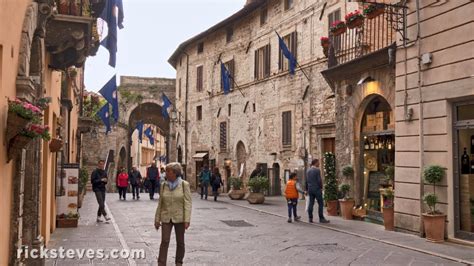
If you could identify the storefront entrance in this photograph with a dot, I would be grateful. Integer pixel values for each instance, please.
(378, 146)
(464, 170)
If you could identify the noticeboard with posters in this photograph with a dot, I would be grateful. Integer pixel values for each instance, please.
(67, 203)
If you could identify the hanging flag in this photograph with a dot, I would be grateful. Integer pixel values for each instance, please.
(109, 91)
(104, 115)
(149, 134)
(225, 77)
(166, 105)
(139, 127)
(113, 19)
(286, 52)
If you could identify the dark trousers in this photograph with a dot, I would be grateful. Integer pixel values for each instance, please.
(215, 192)
(165, 242)
(100, 196)
(292, 203)
(319, 197)
(136, 191)
(122, 192)
(204, 188)
(151, 188)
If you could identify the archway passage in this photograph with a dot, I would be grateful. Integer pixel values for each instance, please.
(378, 146)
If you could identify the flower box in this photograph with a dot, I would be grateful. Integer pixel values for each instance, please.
(324, 42)
(15, 124)
(373, 11)
(66, 222)
(354, 19)
(338, 28)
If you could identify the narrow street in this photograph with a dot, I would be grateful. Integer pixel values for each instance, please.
(261, 239)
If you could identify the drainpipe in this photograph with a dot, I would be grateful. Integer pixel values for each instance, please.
(421, 119)
(186, 116)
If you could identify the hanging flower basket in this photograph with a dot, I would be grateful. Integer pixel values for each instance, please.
(325, 42)
(16, 145)
(338, 28)
(15, 124)
(354, 19)
(55, 145)
(372, 11)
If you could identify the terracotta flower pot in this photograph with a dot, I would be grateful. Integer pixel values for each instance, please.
(339, 31)
(355, 23)
(388, 219)
(377, 12)
(434, 227)
(236, 194)
(256, 198)
(332, 207)
(346, 208)
(55, 145)
(15, 124)
(66, 223)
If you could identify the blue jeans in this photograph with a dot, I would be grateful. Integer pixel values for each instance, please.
(204, 187)
(319, 197)
(292, 203)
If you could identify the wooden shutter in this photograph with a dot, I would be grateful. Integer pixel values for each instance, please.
(294, 44)
(199, 81)
(267, 61)
(256, 65)
(286, 128)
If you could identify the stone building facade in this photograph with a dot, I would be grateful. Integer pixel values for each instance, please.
(140, 99)
(270, 118)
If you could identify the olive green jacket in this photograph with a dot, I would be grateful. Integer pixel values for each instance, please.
(174, 206)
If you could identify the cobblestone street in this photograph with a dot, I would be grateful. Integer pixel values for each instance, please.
(264, 238)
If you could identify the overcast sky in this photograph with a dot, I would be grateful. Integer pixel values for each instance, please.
(153, 30)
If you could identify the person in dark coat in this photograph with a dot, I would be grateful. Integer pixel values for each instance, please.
(314, 186)
(258, 171)
(216, 182)
(99, 180)
(153, 177)
(135, 179)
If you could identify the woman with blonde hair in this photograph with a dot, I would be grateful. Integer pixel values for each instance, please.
(174, 210)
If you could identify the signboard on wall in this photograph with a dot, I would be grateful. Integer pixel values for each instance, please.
(67, 202)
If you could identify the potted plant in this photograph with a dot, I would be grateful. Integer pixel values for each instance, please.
(348, 171)
(325, 42)
(346, 202)
(434, 220)
(236, 192)
(56, 144)
(67, 220)
(390, 174)
(257, 186)
(28, 134)
(83, 178)
(354, 19)
(388, 213)
(20, 113)
(374, 10)
(330, 183)
(338, 27)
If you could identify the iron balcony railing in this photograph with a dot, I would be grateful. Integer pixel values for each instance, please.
(374, 34)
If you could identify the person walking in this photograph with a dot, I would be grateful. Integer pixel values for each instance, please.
(152, 174)
(122, 183)
(205, 178)
(291, 195)
(314, 186)
(162, 175)
(174, 210)
(135, 179)
(216, 182)
(99, 180)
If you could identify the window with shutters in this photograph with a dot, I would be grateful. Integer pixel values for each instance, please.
(200, 47)
(263, 16)
(223, 136)
(199, 78)
(199, 113)
(262, 62)
(286, 129)
(230, 66)
(291, 42)
(333, 17)
(288, 4)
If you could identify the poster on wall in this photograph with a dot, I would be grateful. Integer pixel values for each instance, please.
(67, 202)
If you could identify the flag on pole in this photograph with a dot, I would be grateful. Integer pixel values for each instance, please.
(286, 52)
(109, 91)
(139, 127)
(166, 105)
(149, 134)
(113, 19)
(225, 77)
(104, 115)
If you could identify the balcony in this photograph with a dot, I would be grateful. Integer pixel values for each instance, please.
(71, 35)
(373, 35)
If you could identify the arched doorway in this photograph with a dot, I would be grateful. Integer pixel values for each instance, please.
(275, 181)
(377, 143)
(241, 158)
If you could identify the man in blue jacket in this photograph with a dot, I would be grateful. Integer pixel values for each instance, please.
(153, 176)
(205, 179)
(314, 186)
(99, 180)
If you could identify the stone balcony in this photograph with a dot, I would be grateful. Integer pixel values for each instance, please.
(71, 35)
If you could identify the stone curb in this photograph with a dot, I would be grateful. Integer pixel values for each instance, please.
(362, 236)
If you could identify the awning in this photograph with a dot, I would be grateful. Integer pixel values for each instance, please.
(199, 156)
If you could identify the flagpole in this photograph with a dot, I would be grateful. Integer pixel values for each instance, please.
(298, 64)
(233, 81)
